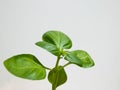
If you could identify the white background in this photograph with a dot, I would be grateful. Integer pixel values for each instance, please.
(93, 25)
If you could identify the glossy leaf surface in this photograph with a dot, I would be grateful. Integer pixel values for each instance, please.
(55, 42)
(49, 47)
(80, 57)
(57, 77)
(57, 38)
(25, 66)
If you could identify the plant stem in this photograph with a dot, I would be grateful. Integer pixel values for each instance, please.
(67, 64)
(58, 59)
(47, 68)
(53, 88)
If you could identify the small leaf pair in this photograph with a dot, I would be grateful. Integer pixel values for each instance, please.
(29, 67)
(55, 42)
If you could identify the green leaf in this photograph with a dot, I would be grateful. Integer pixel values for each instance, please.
(57, 76)
(57, 38)
(55, 42)
(80, 58)
(48, 46)
(25, 66)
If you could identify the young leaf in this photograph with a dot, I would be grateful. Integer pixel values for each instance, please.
(48, 46)
(57, 76)
(80, 58)
(55, 42)
(57, 38)
(25, 66)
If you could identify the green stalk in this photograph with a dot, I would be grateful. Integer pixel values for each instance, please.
(47, 68)
(67, 64)
(53, 88)
(58, 59)
(56, 65)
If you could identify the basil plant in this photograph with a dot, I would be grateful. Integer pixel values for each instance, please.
(27, 66)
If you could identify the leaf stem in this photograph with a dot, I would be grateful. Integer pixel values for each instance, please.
(47, 68)
(58, 59)
(53, 88)
(67, 64)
